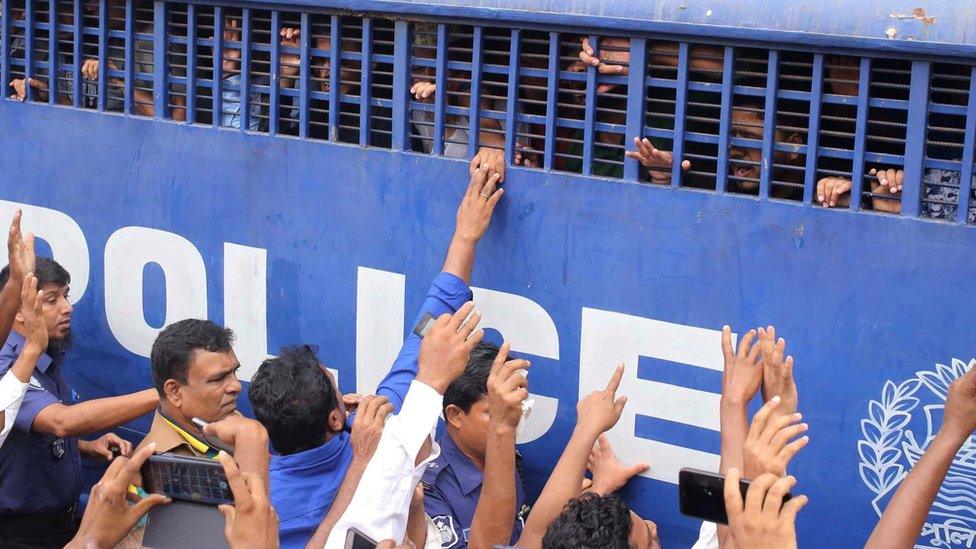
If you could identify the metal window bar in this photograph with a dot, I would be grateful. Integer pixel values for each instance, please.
(366, 82)
(915, 139)
(191, 63)
(860, 129)
(681, 98)
(440, 92)
(635, 102)
(725, 120)
(474, 111)
(218, 66)
(130, 64)
(28, 49)
(589, 111)
(969, 151)
(552, 97)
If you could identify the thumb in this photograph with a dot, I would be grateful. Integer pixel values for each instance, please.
(148, 502)
(618, 406)
(229, 512)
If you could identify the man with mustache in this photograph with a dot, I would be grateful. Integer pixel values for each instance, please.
(40, 462)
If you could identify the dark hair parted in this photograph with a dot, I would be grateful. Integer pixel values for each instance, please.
(590, 520)
(291, 395)
(174, 347)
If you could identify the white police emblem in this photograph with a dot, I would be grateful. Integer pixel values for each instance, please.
(445, 526)
(894, 440)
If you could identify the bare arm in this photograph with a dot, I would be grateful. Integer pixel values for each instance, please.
(494, 516)
(88, 417)
(902, 521)
(20, 252)
(596, 413)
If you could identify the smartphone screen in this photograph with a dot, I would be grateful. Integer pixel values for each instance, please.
(358, 540)
(702, 495)
(186, 478)
(424, 325)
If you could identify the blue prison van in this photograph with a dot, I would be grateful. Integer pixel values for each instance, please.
(202, 158)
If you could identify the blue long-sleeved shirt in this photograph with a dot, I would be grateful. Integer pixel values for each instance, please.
(304, 484)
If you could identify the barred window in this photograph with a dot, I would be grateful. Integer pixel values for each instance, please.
(880, 134)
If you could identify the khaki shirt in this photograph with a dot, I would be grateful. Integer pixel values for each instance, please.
(168, 440)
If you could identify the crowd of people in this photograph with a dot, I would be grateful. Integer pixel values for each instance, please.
(236, 88)
(314, 465)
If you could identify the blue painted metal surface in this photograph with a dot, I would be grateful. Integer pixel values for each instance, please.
(862, 298)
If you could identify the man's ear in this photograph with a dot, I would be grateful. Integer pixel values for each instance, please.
(173, 392)
(453, 415)
(336, 421)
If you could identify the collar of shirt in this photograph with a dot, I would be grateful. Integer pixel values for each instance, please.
(167, 438)
(17, 341)
(313, 458)
(468, 475)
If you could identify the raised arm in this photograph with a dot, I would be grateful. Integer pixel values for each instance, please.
(449, 290)
(494, 516)
(89, 417)
(595, 414)
(902, 521)
(20, 253)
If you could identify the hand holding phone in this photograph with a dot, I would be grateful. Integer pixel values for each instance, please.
(186, 478)
(702, 495)
(358, 540)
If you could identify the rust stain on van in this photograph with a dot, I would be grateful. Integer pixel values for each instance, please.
(919, 13)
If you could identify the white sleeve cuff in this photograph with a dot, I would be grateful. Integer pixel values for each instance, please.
(11, 391)
(418, 416)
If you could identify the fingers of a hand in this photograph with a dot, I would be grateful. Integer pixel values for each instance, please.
(727, 343)
(256, 487)
(229, 513)
(614, 383)
(490, 186)
(900, 179)
(757, 492)
(458, 318)
(841, 188)
(637, 469)
(821, 183)
(754, 352)
(791, 508)
(744, 344)
(496, 197)
(145, 504)
(469, 325)
(774, 497)
(618, 406)
(501, 357)
(761, 417)
(234, 478)
(779, 436)
(15, 225)
(788, 367)
(787, 454)
(383, 412)
(512, 370)
(478, 177)
(733, 496)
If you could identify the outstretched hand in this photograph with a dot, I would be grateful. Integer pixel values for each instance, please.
(777, 372)
(743, 373)
(770, 447)
(445, 350)
(609, 475)
(20, 250)
(599, 411)
(657, 162)
(507, 389)
(478, 205)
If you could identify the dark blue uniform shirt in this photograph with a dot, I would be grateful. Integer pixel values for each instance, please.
(452, 485)
(39, 473)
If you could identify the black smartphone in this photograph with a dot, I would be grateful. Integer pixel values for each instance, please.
(702, 495)
(424, 325)
(186, 478)
(358, 540)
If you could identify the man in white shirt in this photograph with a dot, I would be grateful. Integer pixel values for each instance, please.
(13, 384)
(381, 504)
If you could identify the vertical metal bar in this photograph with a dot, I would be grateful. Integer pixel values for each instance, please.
(636, 105)
(680, 105)
(589, 112)
(28, 49)
(918, 113)
(474, 113)
(402, 40)
(54, 60)
(440, 92)
(552, 102)
(813, 129)
(160, 61)
(725, 121)
(274, 95)
(511, 104)
(860, 133)
(335, 72)
(102, 52)
(968, 153)
(77, 91)
(218, 66)
(767, 167)
(366, 83)
(129, 56)
(191, 63)
(245, 71)
(5, 46)
(304, 75)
